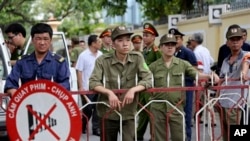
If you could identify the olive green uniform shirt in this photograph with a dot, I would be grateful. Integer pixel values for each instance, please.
(75, 52)
(151, 54)
(108, 65)
(175, 70)
(18, 52)
(104, 50)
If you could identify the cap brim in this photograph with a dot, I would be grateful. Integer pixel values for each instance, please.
(155, 34)
(169, 42)
(121, 34)
(236, 35)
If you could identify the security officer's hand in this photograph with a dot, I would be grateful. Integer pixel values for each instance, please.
(129, 97)
(114, 101)
(11, 91)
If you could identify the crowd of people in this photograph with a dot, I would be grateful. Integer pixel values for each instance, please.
(120, 59)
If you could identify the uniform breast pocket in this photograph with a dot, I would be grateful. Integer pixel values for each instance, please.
(47, 76)
(176, 79)
(111, 82)
(27, 76)
(130, 81)
(159, 80)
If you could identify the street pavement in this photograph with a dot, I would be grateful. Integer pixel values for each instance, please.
(204, 133)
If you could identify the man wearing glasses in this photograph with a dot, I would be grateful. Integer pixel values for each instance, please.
(16, 40)
(40, 64)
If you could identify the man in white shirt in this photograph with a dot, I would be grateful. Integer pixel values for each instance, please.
(84, 66)
(202, 54)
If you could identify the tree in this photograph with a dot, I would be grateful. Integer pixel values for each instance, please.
(75, 14)
(155, 10)
(15, 11)
(152, 9)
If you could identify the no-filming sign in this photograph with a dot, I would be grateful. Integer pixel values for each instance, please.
(43, 110)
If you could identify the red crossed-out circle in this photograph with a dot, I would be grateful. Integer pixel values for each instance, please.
(62, 101)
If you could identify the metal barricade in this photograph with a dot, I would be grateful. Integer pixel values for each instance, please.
(160, 101)
(211, 132)
(103, 103)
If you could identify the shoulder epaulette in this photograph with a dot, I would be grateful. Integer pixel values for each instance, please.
(59, 58)
(23, 56)
(135, 52)
(155, 48)
(107, 55)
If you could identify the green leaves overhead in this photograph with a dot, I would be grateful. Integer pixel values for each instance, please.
(113, 7)
(77, 14)
(14, 11)
(156, 9)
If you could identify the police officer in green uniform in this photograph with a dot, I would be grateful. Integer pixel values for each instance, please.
(106, 41)
(119, 70)
(169, 65)
(16, 41)
(77, 49)
(137, 42)
(150, 53)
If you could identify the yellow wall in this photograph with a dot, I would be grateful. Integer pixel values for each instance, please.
(214, 34)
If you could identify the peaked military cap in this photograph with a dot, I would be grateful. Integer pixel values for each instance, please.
(75, 39)
(106, 32)
(149, 28)
(136, 39)
(189, 39)
(234, 32)
(120, 30)
(168, 38)
(175, 32)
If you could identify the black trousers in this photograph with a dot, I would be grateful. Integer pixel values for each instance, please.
(90, 111)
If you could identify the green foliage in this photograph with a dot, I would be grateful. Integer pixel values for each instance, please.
(76, 14)
(113, 7)
(15, 11)
(28, 12)
(154, 10)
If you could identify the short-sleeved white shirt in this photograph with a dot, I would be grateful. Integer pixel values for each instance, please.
(86, 64)
(202, 54)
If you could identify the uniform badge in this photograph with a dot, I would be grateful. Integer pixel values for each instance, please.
(109, 30)
(172, 31)
(234, 30)
(146, 26)
(61, 59)
(170, 36)
(121, 28)
(155, 48)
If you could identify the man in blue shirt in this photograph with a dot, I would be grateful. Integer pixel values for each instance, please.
(41, 64)
(188, 55)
